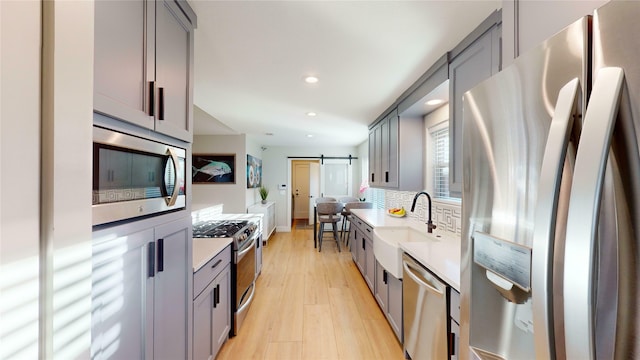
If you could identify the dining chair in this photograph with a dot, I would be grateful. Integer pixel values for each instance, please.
(329, 213)
(345, 200)
(346, 220)
(348, 199)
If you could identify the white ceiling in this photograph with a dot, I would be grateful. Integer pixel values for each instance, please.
(251, 57)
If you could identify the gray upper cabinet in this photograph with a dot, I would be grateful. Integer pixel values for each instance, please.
(375, 153)
(395, 151)
(477, 62)
(143, 67)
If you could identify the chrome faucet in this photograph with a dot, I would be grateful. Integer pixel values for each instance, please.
(430, 225)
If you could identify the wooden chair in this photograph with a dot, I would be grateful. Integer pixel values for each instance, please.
(346, 213)
(329, 212)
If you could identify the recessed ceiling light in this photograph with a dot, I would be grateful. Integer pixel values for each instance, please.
(434, 102)
(309, 135)
(311, 113)
(311, 79)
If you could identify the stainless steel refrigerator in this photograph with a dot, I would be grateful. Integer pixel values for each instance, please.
(551, 198)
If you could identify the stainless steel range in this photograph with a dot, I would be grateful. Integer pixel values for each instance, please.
(246, 237)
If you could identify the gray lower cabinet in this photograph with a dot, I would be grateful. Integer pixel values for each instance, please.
(474, 64)
(361, 242)
(388, 294)
(143, 68)
(394, 308)
(140, 291)
(212, 306)
(386, 289)
(370, 262)
(454, 324)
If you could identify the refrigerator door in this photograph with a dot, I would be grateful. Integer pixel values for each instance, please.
(505, 130)
(581, 263)
(614, 308)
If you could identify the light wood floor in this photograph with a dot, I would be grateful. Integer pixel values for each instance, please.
(311, 305)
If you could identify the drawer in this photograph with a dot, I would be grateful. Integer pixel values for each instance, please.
(367, 230)
(210, 270)
(454, 305)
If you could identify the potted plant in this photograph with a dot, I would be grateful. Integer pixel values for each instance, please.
(264, 192)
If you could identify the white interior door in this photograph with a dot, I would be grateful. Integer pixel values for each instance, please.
(336, 178)
(314, 187)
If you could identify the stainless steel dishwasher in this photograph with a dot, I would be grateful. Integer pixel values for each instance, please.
(425, 312)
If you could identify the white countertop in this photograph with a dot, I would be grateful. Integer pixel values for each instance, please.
(442, 256)
(206, 249)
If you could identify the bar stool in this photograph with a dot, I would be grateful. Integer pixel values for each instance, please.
(345, 200)
(347, 218)
(329, 212)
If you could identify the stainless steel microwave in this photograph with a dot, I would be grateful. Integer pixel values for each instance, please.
(135, 177)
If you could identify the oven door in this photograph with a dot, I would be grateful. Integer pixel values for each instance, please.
(245, 281)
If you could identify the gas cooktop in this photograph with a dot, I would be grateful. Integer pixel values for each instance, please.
(218, 229)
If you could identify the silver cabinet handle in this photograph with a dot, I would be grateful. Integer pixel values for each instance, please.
(584, 209)
(551, 175)
(411, 272)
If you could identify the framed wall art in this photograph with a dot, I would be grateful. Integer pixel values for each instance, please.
(214, 169)
(254, 172)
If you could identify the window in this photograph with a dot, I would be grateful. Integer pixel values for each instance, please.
(440, 159)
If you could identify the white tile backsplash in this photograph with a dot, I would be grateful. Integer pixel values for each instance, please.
(445, 215)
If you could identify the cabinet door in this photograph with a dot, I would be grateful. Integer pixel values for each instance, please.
(372, 156)
(124, 60)
(122, 298)
(384, 152)
(370, 265)
(174, 43)
(272, 218)
(381, 289)
(203, 324)
(375, 155)
(361, 254)
(222, 311)
(353, 242)
(394, 305)
(171, 298)
(469, 68)
(391, 175)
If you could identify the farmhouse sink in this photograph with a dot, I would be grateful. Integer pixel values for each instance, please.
(386, 247)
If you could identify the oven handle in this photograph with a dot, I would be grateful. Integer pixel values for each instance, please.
(171, 200)
(250, 245)
(248, 302)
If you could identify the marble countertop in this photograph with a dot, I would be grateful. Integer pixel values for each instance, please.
(441, 256)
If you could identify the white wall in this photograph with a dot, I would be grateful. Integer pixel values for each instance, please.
(67, 113)
(536, 21)
(252, 195)
(19, 178)
(275, 167)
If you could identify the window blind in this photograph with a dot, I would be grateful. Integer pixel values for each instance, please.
(440, 138)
